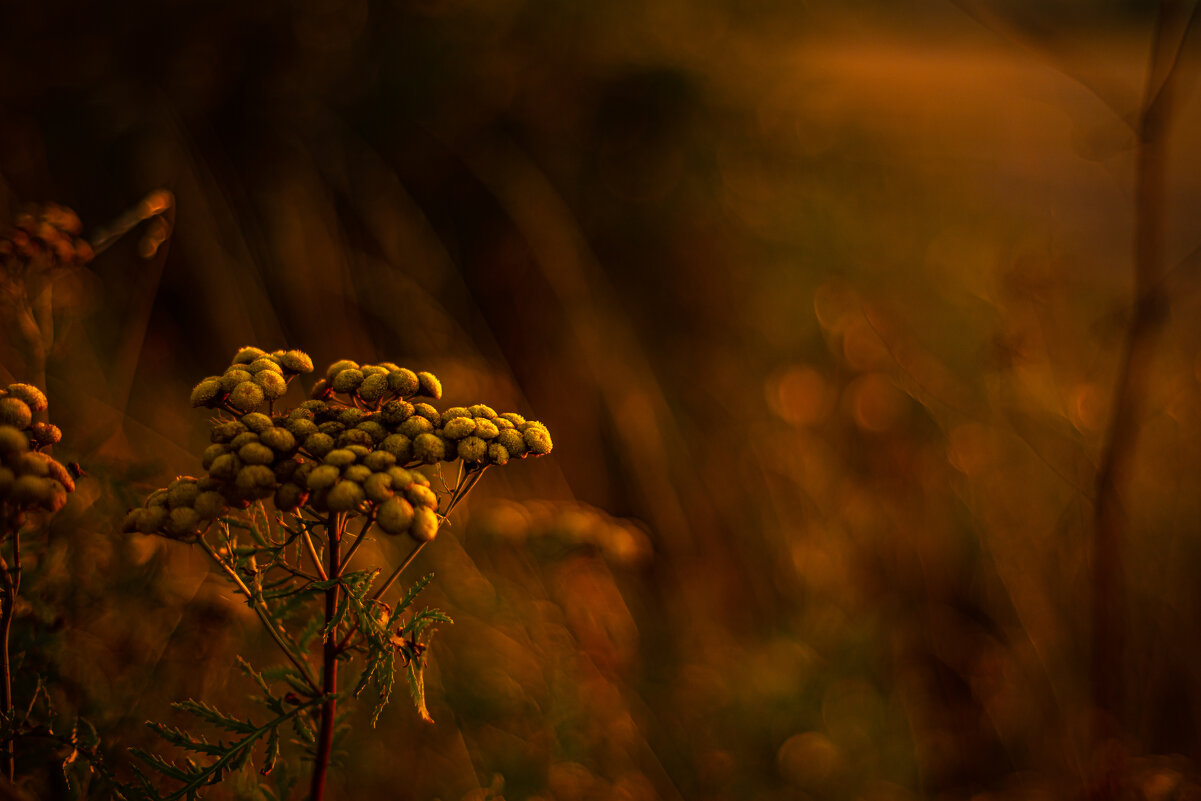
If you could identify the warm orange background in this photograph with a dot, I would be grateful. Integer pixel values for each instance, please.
(822, 302)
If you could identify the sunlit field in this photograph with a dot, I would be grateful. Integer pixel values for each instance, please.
(868, 338)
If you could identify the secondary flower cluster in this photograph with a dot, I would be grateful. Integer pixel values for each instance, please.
(352, 448)
(29, 479)
(43, 235)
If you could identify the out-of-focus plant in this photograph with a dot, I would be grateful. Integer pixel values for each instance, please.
(288, 501)
(33, 486)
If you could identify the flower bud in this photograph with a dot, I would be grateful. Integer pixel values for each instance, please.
(401, 478)
(347, 381)
(15, 412)
(374, 430)
(486, 429)
(58, 497)
(357, 473)
(248, 354)
(245, 438)
(296, 361)
(256, 453)
(415, 425)
(429, 385)
(344, 496)
(340, 457)
(152, 519)
(284, 469)
(278, 439)
(309, 409)
(482, 410)
(207, 393)
(453, 412)
(427, 447)
(30, 490)
(378, 487)
(323, 477)
(458, 427)
(331, 427)
(224, 432)
(404, 382)
(513, 418)
(209, 505)
(33, 397)
(497, 454)
(537, 439)
(61, 475)
(46, 433)
(257, 422)
(379, 460)
(246, 397)
(512, 441)
(360, 451)
(395, 412)
(256, 480)
(420, 495)
(273, 384)
(289, 496)
(339, 366)
(300, 427)
(321, 390)
(183, 522)
(355, 436)
(265, 364)
(472, 450)
(425, 524)
(12, 441)
(374, 387)
(399, 446)
(33, 463)
(318, 445)
(232, 377)
(394, 516)
(182, 492)
(225, 467)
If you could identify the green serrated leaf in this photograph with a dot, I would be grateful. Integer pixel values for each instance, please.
(164, 767)
(412, 594)
(184, 740)
(211, 714)
(253, 674)
(272, 755)
(385, 681)
(416, 671)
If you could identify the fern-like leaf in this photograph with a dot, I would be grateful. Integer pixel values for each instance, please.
(216, 717)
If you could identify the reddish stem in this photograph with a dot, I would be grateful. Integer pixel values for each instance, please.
(329, 665)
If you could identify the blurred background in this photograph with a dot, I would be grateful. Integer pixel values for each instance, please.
(824, 304)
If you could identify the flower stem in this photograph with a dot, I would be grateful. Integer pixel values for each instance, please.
(329, 664)
(12, 585)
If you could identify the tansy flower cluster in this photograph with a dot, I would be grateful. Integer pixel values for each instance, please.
(352, 448)
(30, 480)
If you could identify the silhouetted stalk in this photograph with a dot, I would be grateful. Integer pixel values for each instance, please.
(12, 585)
(1150, 304)
(329, 663)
